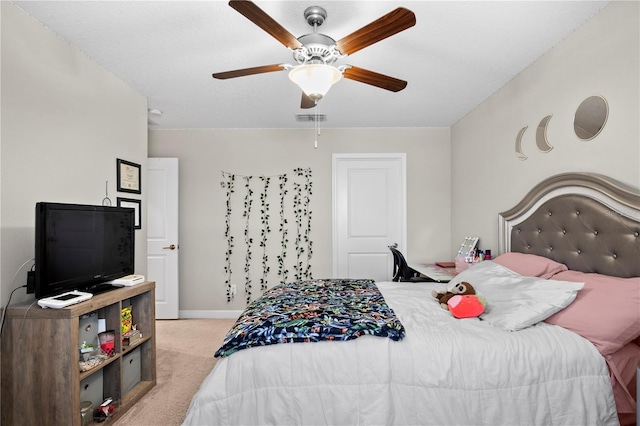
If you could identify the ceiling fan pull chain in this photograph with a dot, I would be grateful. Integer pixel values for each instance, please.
(317, 127)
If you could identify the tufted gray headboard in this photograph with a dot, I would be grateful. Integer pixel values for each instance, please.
(589, 222)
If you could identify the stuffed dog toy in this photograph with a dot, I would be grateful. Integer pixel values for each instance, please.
(460, 288)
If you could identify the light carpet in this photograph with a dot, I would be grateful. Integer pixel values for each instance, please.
(184, 357)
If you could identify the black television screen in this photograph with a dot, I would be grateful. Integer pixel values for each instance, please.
(81, 247)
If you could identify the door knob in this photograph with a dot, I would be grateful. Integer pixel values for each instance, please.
(171, 247)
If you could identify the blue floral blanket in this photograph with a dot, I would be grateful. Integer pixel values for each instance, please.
(312, 311)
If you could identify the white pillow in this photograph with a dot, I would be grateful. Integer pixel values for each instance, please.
(514, 301)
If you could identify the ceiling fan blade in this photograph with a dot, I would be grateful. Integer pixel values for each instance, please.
(248, 71)
(306, 102)
(256, 15)
(375, 79)
(392, 23)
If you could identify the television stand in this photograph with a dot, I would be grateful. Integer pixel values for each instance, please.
(42, 379)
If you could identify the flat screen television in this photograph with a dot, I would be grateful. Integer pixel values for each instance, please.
(81, 247)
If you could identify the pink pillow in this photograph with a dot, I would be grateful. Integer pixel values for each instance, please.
(606, 310)
(530, 265)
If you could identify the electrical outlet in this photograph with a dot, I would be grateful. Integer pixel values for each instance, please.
(233, 289)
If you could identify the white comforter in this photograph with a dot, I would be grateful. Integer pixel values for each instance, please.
(446, 371)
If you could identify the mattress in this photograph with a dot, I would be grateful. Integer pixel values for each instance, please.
(445, 371)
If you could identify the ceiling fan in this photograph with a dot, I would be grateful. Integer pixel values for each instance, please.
(316, 53)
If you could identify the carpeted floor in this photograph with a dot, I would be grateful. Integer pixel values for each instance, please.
(184, 356)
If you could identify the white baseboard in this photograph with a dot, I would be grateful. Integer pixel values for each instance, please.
(209, 314)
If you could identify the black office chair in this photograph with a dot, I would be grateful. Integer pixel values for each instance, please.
(402, 271)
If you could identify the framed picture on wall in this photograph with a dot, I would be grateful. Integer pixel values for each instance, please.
(134, 204)
(129, 177)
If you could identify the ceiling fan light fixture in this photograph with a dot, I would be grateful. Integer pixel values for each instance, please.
(315, 80)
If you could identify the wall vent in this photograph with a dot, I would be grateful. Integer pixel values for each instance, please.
(311, 117)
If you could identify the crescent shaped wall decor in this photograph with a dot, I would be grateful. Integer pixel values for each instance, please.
(541, 135)
(519, 153)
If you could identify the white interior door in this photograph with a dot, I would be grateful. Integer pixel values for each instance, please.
(369, 213)
(162, 234)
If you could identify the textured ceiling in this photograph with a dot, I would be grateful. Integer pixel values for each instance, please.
(457, 55)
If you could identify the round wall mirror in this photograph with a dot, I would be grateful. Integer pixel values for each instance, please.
(591, 117)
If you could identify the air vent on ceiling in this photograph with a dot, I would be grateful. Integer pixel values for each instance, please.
(311, 117)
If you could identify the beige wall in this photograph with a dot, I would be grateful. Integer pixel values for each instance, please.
(64, 122)
(599, 58)
(203, 154)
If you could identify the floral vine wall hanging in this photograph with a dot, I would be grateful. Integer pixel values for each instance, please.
(228, 184)
(248, 201)
(264, 220)
(301, 202)
(293, 196)
(284, 232)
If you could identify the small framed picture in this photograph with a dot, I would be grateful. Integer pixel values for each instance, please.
(129, 177)
(134, 204)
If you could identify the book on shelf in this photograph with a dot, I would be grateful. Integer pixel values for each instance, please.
(131, 336)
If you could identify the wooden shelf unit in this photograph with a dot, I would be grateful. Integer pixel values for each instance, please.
(39, 367)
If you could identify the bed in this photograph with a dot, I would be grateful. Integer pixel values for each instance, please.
(545, 351)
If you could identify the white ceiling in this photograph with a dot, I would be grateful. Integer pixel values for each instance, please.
(457, 55)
